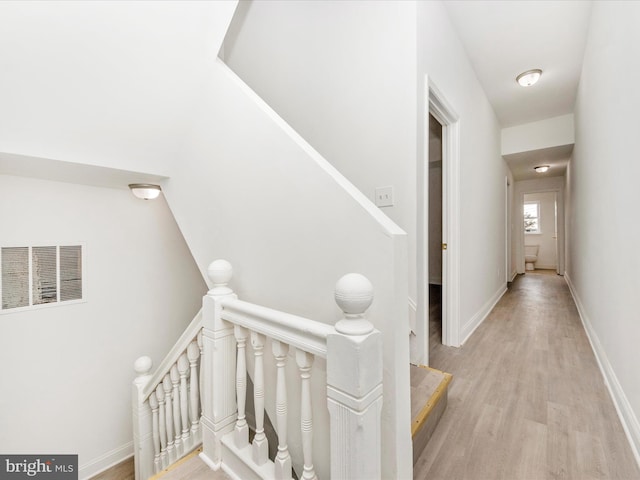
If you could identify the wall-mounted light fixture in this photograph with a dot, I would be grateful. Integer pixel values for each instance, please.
(146, 191)
(528, 78)
(541, 168)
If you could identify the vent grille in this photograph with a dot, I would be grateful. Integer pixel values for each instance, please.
(15, 277)
(44, 275)
(40, 275)
(70, 273)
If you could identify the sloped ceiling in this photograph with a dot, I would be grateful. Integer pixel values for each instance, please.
(104, 83)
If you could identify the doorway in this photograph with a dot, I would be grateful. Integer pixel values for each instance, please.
(541, 231)
(436, 241)
(436, 105)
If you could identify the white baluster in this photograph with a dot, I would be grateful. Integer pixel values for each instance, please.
(282, 462)
(305, 361)
(175, 384)
(153, 403)
(241, 429)
(201, 373)
(183, 369)
(260, 445)
(166, 386)
(162, 423)
(193, 353)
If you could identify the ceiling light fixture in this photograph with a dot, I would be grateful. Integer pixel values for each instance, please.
(528, 78)
(541, 168)
(146, 191)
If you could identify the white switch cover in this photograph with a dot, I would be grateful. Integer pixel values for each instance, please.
(384, 196)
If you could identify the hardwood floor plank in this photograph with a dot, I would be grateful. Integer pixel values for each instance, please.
(528, 401)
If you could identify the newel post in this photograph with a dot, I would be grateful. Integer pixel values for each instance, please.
(354, 384)
(142, 424)
(219, 410)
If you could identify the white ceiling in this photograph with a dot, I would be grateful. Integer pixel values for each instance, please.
(505, 38)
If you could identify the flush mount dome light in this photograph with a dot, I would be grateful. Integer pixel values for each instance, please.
(146, 191)
(541, 168)
(528, 78)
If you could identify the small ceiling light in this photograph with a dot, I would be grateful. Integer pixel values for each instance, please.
(146, 191)
(528, 78)
(541, 168)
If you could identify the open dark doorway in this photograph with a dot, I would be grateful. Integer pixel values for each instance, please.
(435, 232)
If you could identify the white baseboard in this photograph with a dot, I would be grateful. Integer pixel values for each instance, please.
(514, 274)
(106, 461)
(623, 407)
(481, 315)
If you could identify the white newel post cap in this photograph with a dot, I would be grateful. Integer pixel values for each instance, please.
(220, 273)
(354, 294)
(142, 366)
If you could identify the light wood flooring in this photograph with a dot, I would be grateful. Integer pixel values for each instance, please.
(528, 401)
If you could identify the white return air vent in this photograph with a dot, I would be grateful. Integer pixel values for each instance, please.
(40, 275)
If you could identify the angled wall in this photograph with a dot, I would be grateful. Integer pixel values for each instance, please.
(250, 190)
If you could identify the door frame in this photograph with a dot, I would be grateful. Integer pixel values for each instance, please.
(519, 219)
(437, 105)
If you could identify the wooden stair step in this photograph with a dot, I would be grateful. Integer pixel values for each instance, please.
(429, 391)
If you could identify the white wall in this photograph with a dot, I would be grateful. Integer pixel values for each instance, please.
(67, 370)
(551, 132)
(482, 206)
(603, 183)
(259, 196)
(546, 239)
(355, 101)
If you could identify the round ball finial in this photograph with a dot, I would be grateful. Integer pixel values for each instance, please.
(354, 294)
(142, 366)
(220, 273)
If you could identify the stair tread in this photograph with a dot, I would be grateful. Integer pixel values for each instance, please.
(191, 467)
(427, 385)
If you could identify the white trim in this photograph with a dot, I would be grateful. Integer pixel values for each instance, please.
(442, 111)
(625, 412)
(106, 461)
(514, 274)
(482, 314)
(413, 312)
(520, 192)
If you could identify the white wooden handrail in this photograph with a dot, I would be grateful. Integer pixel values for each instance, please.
(171, 358)
(167, 404)
(293, 330)
(198, 394)
(353, 395)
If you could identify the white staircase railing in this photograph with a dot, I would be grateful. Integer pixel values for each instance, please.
(166, 404)
(278, 350)
(353, 352)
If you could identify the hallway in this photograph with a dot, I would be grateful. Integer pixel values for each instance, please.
(527, 400)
